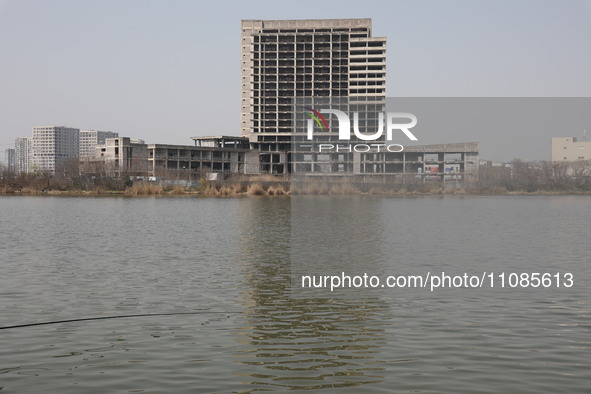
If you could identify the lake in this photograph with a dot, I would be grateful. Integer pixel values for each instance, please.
(212, 291)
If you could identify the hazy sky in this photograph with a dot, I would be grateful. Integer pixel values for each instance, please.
(168, 70)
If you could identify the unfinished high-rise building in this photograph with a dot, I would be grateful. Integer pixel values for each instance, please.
(288, 60)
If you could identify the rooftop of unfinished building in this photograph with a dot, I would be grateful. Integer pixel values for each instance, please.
(308, 23)
(219, 137)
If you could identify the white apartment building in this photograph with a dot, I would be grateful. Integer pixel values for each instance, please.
(22, 157)
(569, 149)
(53, 145)
(89, 139)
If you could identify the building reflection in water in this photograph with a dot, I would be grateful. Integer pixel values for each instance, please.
(292, 341)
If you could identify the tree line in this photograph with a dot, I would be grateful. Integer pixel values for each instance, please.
(518, 176)
(538, 176)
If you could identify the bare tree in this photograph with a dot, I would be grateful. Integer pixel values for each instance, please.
(581, 168)
(581, 172)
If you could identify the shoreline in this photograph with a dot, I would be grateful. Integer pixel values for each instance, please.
(257, 191)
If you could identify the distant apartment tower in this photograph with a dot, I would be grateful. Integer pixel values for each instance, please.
(9, 155)
(89, 139)
(284, 60)
(53, 146)
(22, 154)
(569, 149)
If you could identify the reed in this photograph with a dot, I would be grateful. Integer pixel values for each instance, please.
(255, 189)
(143, 189)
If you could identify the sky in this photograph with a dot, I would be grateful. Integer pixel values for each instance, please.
(165, 71)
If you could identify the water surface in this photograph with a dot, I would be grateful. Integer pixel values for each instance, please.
(234, 263)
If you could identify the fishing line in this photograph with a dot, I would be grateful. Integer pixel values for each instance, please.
(109, 317)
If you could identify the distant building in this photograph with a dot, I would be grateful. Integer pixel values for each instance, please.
(284, 60)
(136, 141)
(53, 146)
(89, 139)
(223, 154)
(9, 153)
(22, 157)
(209, 155)
(569, 149)
(290, 66)
(204, 158)
(121, 156)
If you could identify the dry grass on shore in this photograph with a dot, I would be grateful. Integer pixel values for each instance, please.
(231, 190)
(244, 189)
(144, 189)
(264, 186)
